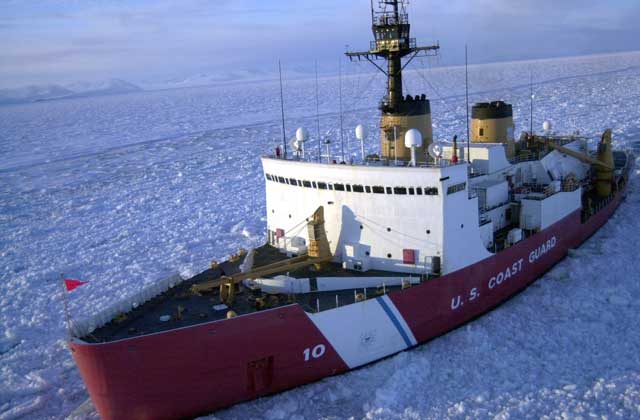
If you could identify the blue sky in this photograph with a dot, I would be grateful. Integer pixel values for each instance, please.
(58, 41)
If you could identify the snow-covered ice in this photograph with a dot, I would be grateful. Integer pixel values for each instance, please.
(124, 190)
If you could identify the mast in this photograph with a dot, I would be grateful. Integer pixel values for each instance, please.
(392, 43)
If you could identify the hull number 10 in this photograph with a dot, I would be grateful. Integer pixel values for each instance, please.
(315, 353)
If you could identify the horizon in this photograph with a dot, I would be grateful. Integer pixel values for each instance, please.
(58, 42)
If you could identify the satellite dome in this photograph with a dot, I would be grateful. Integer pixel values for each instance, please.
(546, 126)
(413, 138)
(302, 134)
(361, 132)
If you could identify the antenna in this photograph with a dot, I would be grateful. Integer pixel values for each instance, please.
(318, 116)
(466, 89)
(531, 98)
(340, 88)
(284, 139)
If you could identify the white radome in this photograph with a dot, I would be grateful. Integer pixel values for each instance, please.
(435, 150)
(302, 134)
(546, 126)
(413, 138)
(361, 132)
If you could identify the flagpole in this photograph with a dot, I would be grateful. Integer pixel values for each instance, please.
(65, 299)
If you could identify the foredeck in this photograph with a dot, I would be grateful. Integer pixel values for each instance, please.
(199, 308)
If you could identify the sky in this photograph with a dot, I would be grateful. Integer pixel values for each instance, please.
(63, 41)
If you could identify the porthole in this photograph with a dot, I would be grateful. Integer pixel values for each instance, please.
(361, 227)
(462, 226)
(367, 253)
(428, 231)
(388, 255)
(289, 216)
(388, 229)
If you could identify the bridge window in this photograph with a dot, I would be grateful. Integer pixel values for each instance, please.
(293, 181)
(268, 177)
(389, 191)
(281, 180)
(430, 191)
(338, 187)
(306, 184)
(367, 188)
(377, 189)
(348, 188)
(419, 190)
(399, 190)
(322, 185)
(456, 188)
(358, 188)
(314, 184)
(411, 191)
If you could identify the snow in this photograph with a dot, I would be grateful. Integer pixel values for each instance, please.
(126, 190)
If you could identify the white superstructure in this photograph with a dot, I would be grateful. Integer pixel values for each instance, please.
(428, 219)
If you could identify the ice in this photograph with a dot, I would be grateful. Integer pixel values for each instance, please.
(126, 190)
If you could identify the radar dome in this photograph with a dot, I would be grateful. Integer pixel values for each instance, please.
(361, 132)
(546, 126)
(413, 138)
(302, 134)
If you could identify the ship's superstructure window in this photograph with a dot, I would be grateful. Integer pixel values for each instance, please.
(456, 188)
(376, 189)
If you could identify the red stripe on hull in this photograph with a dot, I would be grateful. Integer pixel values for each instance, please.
(198, 369)
(194, 370)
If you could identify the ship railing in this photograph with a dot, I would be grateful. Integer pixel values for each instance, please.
(105, 314)
(389, 19)
(484, 209)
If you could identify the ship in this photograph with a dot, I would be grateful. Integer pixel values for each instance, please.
(363, 258)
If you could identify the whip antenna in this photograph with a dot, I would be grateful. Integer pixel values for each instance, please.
(466, 89)
(531, 99)
(318, 116)
(340, 89)
(284, 137)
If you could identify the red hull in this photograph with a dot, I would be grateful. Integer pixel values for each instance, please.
(199, 369)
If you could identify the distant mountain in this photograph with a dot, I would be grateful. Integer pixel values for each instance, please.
(33, 94)
(204, 79)
(37, 93)
(108, 87)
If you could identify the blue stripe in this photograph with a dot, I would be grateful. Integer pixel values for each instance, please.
(395, 321)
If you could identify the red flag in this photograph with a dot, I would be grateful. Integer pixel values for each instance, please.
(71, 284)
